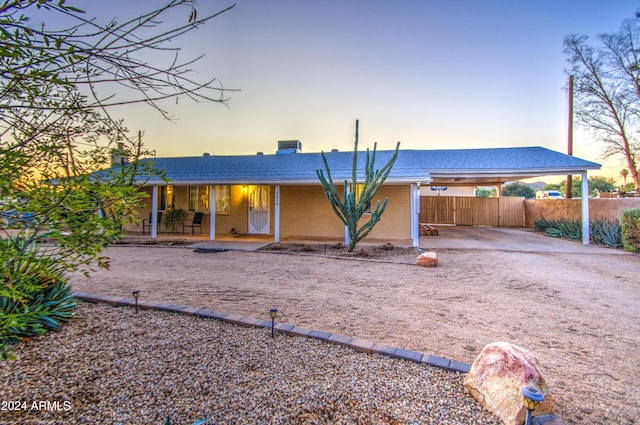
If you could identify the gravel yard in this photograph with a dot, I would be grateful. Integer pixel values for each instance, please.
(112, 366)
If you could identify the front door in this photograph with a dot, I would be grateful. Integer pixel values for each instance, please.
(259, 210)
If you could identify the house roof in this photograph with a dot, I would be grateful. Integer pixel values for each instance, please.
(452, 166)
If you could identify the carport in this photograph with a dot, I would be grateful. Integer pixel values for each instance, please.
(496, 166)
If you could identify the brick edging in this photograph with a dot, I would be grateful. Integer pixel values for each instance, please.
(357, 344)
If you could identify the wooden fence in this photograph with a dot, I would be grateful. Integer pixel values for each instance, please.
(472, 211)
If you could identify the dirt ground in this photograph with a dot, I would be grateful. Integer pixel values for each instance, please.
(579, 312)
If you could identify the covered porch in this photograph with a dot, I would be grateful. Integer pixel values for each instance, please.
(272, 212)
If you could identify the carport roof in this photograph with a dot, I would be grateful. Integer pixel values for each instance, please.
(448, 166)
(499, 165)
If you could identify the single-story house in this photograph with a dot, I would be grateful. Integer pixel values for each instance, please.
(280, 194)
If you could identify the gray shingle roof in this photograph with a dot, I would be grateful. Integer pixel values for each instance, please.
(411, 165)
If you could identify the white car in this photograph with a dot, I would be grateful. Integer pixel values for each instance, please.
(549, 194)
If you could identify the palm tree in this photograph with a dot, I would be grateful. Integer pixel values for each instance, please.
(624, 173)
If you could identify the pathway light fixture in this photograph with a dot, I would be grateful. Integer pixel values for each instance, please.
(532, 397)
(273, 312)
(136, 294)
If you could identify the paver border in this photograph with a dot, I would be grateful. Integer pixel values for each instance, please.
(356, 344)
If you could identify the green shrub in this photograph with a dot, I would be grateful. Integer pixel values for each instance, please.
(630, 224)
(44, 311)
(569, 229)
(173, 219)
(34, 297)
(608, 233)
(602, 232)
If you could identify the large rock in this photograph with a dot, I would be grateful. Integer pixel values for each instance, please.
(495, 379)
(427, 259)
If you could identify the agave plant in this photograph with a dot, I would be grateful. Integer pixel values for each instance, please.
(34, 297)
(45, 311)
(608, 233)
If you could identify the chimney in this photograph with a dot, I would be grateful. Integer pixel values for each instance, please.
(119, 155)
(288, 147)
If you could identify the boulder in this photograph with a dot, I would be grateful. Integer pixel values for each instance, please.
(495, 379)
(427, 259)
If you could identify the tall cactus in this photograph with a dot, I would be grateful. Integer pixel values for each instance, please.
(350, 207)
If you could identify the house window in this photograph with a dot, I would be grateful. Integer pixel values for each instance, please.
(223, 199)
(199, 198)
(359, 187)
(166, 199)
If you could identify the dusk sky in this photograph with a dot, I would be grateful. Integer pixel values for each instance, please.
(431, 74)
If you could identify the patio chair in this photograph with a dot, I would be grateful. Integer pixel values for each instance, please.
(146, 222)
(196, 221)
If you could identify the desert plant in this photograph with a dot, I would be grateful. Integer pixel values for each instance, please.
(353, 205)
(541, 225)
(603, 232)
(42, 311)
(569, 229)
(34, 297)
(606, 233)
(173, 219)
(630, 225)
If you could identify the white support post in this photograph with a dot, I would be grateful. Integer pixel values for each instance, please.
(212, 213)
(276, 225)
(585, 209)
(154, 212)
(415, 215)
(499, 195)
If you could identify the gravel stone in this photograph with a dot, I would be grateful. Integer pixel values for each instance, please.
(113, 366)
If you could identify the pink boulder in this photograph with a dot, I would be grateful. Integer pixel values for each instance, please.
(427, 259)
(495, 379)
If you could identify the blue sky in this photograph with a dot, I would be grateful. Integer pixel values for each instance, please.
(430, 74)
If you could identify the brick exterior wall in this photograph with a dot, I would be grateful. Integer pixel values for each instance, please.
(305, 213)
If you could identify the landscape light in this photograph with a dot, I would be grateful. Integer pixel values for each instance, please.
(136, 294)
(273, 312)
(532, 397)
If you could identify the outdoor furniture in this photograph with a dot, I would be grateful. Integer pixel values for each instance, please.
(196, 221)
(147, 222)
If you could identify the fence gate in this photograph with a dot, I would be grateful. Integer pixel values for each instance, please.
(472, 211)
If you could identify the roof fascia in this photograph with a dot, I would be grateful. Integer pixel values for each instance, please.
(504, 173)
(403, 180)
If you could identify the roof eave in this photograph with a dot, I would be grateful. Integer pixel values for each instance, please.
(519, 172)
(402, 180)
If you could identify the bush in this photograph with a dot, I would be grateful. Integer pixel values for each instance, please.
(602, 232)
(568, 229)
(608, 233)
(173, 219)
(630, 224)
(34, 297)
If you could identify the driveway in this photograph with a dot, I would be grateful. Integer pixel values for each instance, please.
(506, 239)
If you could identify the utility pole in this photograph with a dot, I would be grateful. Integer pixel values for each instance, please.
(570, 136)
